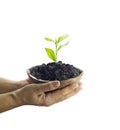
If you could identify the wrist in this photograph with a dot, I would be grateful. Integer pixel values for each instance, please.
(9, 101)
(17, 98)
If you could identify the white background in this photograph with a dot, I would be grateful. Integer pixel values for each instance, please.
(94, 28)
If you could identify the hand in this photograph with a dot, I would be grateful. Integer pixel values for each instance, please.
(45, 94)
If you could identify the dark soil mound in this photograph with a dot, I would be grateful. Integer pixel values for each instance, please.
(54, 71)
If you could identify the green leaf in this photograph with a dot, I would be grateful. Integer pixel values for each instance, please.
(50, 54)
(49, 39)
(61, 46)
(61, 38)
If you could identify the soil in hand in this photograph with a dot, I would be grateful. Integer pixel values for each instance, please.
(55, 71)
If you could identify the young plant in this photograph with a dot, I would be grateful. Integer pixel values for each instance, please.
(52, 54)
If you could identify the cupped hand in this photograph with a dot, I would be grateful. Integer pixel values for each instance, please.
(45, 94)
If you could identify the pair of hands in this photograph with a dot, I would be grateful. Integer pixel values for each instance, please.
(45, 94)
(14, 94)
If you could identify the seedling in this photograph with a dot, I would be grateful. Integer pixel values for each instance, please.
(52, 54)
(67, 74)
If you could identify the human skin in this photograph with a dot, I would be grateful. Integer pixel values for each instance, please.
(18, 93)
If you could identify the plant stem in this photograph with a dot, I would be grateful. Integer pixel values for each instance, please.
(56, 51)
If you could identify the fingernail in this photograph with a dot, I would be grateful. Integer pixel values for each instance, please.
(56, 83)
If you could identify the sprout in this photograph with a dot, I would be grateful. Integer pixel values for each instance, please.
(52, 54)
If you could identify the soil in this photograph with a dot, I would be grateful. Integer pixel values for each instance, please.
(55, 71)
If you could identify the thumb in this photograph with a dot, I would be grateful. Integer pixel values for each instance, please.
(50, 86)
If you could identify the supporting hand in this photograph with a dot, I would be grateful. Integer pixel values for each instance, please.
(45, 94)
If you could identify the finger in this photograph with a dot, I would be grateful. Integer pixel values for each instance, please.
(68, 89)
(62, 94)
(69, 82)
(50, 86)
(68, 95)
